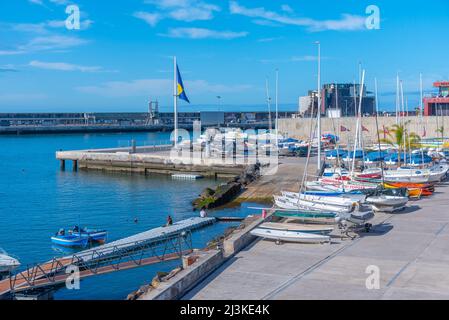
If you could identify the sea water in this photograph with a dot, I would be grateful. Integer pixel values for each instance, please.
(37, 199)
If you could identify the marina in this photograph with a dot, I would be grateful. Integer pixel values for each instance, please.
(217, 151)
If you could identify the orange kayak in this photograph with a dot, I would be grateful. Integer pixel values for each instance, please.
(416, 190)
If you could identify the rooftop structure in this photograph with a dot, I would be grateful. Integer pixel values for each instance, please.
(438, 104)
(338, 100)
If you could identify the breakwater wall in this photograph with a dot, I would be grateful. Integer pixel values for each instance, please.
(300, 127)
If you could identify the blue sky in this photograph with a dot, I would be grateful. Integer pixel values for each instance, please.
(121, 56)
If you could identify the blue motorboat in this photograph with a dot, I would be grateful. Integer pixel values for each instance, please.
(79, 237)
(70, 240)
(98, 236)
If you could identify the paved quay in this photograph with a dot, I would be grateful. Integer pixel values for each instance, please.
(287, 177)
(411, 250)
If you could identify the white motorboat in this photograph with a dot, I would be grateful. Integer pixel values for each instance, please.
(290, 236)
(306, 228)
(385, 203)
(7, 263)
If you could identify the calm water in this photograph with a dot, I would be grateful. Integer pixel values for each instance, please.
(36, 199)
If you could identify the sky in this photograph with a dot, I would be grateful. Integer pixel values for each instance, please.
(122, 54)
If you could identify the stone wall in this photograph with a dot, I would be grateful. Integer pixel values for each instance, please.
(300, 128)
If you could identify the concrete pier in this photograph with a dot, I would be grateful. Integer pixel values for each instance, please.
(148, 160)
(409, 251)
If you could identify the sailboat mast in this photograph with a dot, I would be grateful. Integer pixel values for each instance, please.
(421, 113)
(319, 106)
(378, 132)
(277, 106)
(358, 120)
(175, 100)
(404, 146)
(397, 98)
(269, 107)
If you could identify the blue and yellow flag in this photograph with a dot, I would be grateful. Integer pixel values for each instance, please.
(180, 90)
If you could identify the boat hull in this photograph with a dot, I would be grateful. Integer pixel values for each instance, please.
(305, 228)
(290, 236)
(71, 242)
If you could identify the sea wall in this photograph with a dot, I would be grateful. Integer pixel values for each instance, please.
(300, 127)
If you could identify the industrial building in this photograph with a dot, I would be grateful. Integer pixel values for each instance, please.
(338, 100)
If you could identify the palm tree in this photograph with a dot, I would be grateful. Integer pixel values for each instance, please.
(400, 138)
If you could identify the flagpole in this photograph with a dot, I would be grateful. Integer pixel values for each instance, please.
(175, 100)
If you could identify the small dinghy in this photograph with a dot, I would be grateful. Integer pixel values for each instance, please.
(7, 263)
(386, 203)
(357, 218)
(306, 228)
(290, 236)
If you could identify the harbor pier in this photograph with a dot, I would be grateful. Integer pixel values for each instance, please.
(148, 160)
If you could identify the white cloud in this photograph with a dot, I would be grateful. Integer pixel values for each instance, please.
(62, 66)
(286, 8)
(55, 42)
(8, 68)
(347, 21)
(269, 39)
(151, 18)
(38, 2)
(181, 10)
(11, 52)
(158, 87)
(22, 97)
(201, 33)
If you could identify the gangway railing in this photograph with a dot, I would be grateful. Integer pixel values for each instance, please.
(100, 261)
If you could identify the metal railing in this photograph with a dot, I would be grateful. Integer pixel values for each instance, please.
(134, 253)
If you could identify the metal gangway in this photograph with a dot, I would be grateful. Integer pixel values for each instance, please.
(147, 248)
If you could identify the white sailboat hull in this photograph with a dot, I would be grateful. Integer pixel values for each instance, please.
(289, 236)
(306, 228)
(295, 204)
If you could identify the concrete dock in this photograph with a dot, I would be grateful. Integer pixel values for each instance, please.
(148, 160)
(288, 177)
(410, 250)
